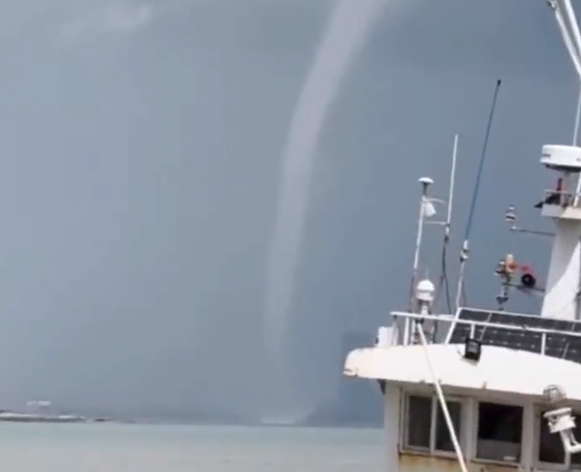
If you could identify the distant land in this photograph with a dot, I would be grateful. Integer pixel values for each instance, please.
(361, 413)
(359, 402)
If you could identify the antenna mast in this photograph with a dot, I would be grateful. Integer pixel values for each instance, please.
(574, 48)
(447, 226)
(451, 190)
(465, 250)
(576, 63)
(577, 118)
(426, 209)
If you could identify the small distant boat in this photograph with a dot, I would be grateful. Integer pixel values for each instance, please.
(40, 418)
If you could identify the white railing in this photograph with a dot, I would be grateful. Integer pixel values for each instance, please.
(562, 198)
(450, 322)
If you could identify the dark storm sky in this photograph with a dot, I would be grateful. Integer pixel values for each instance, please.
(140, 150)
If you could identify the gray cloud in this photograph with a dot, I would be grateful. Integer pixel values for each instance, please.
(110, 19)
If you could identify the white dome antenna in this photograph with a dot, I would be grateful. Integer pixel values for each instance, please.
(426, 182)
(425, 295)
(561, 158)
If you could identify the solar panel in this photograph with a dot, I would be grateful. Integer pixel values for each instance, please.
(556, 345)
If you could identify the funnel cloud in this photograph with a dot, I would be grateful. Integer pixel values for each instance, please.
(347, 30)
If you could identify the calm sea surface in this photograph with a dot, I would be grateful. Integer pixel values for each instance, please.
(153, 448)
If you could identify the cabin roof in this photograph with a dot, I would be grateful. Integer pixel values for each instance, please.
(500, 369)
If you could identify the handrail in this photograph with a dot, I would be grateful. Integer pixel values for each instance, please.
(449, 318)
(561, 197)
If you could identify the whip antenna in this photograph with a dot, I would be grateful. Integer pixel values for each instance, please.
(465, 250)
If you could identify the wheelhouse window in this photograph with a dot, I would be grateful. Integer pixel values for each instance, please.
(443, 439)
(425, 424)
(499, 434)
(419, 422)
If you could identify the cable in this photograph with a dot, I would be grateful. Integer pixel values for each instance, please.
(481, 164)
(444, 277)
(442, 284)
(567, 39)
(442, 399)
(570, 13)
(461, 284)
(445, 285)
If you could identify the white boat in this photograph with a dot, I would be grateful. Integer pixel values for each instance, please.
(39, 413)
(39, 418)
(490, 390)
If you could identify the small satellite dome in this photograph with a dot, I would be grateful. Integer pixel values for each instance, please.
(425, 291)
(425, 181)
(554, 393)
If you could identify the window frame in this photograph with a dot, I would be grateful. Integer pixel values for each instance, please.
(476, 425)
(404, 429)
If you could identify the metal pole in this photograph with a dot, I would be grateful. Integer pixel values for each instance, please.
(442, 400)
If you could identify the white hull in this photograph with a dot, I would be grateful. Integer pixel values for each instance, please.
(35, 418)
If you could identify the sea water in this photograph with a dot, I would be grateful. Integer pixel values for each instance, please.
(109, 447)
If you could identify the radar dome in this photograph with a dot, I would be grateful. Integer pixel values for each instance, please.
(425, 291)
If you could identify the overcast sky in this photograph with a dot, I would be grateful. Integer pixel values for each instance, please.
(140, 150)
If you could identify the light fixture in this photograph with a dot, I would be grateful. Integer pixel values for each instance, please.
(472, 349)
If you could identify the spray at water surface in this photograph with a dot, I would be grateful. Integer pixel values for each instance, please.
(348, 28)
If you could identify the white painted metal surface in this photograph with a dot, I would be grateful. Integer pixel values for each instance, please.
(561, 157)
(500, 369)
(560, 300)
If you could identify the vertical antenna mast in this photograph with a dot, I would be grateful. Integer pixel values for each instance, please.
(465, 250)
(451, 190)
(577, 42)
(447, 226)
(425, 207)
(577, 118)
(574, 48)
(574, 25)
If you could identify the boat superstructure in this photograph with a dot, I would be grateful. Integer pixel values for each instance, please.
(490, 390)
